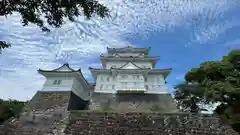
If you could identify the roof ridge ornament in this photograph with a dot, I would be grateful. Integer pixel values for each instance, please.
(66, 64)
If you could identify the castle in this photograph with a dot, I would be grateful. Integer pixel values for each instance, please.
(128, 98)
(127, 82)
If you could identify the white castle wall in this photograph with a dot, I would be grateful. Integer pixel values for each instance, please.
(68, 83)
(65, 85)
(108, 84)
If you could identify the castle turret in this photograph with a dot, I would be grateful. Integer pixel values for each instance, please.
(65, 78)
(129, 68)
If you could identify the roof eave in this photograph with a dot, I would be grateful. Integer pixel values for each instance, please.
(84, 79)
(93, 72)
(145, 50)
(45, 73)
(164, 72)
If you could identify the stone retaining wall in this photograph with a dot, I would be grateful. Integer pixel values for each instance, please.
(44, 100)
(133, 102)
(99, 123)
(47, 113)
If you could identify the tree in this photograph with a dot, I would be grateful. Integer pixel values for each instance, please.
(213, 82)
(188, 96)
(50, 12)
(3, 45)
(10, 108)
(220, 79)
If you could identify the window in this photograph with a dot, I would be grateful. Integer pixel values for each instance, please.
(146, 86)
(158, 79)
(124, 76)
(101, 78)
(107, 79)
(101, 86)
(135, 83)
(113, 86)
(125, 85)
(136, 77)
(145, 79)
(57, 82)
(122, 84)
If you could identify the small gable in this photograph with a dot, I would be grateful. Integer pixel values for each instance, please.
(64, 67)
(130, 65)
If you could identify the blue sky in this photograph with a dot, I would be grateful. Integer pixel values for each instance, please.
(183, 33)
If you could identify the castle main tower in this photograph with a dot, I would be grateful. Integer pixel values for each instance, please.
(129, 69)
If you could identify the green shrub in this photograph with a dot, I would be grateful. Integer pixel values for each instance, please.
(10, 108)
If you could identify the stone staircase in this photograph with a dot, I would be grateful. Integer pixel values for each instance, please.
(99, 123)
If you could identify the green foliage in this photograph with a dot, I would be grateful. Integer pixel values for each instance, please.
(3, 45)
(220, 79)
(10, 108)
(213, 82)
(50, 12)
(188, 95)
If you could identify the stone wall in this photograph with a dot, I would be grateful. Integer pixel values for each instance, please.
(133, 102)
(44, 100)
(47, 113)
(99, 123)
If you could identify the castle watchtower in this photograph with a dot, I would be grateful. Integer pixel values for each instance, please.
(129, 79)
(129, 69)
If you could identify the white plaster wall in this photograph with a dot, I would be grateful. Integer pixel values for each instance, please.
(121, 63)
(65, 85)
(68, 83)
(104, 83)
(79, 89)
(128, 82)
(156, 83)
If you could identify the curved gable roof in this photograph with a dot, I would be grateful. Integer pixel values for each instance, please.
(130, 63)
(65, 68)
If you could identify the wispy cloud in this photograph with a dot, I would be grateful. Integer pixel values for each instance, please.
(81, 43)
